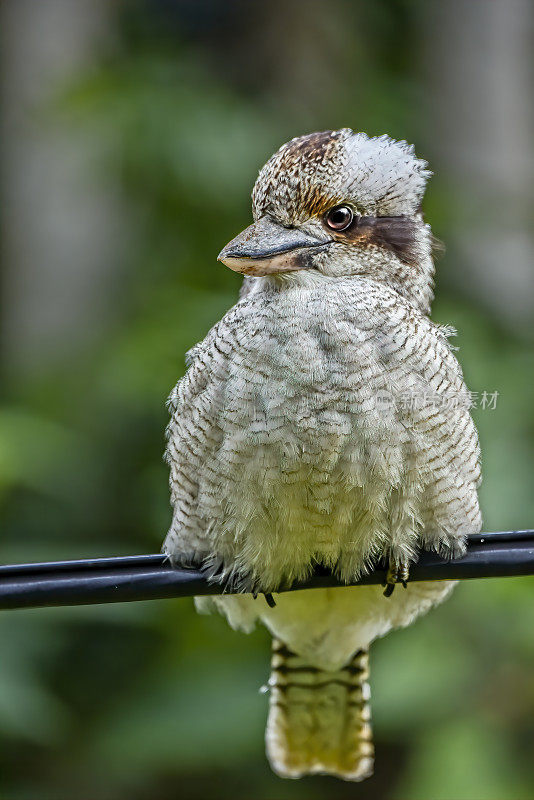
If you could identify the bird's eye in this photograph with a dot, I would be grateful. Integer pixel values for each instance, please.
(339, 218)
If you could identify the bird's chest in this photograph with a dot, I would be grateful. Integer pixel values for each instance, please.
(301, 427)
(306, 383)
(292, 397)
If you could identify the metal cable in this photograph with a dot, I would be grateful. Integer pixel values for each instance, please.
(152, 577)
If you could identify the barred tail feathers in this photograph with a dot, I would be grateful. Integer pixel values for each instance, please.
(319, 721)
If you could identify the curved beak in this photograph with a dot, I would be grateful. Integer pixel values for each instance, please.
(266, 247)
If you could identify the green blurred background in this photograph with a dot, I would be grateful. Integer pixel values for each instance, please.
(132, 133)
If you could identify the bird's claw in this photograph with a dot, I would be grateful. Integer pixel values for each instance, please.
(269, 599)
(397, 573)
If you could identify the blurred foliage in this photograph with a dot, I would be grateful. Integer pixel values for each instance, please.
(151, 700)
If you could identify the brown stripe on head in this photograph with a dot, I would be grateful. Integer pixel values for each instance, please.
(396, 234)
(292, 186)
(312, 146)
(315, 202)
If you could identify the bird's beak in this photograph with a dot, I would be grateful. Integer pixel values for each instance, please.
(266, 247)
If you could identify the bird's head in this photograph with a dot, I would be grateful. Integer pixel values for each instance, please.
(340, 204)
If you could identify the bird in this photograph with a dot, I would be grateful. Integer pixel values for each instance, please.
(324, 422)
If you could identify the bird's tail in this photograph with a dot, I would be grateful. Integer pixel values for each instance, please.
(319, 721)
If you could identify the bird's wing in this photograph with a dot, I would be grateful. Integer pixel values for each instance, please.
(450, 452)
(193, 435)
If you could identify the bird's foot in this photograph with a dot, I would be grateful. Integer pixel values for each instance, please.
(269, 599)
(234, 581)
(398, 572)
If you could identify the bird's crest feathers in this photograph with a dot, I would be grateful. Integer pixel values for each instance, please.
(378, 175)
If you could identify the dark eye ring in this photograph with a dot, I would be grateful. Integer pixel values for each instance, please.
(339, 218)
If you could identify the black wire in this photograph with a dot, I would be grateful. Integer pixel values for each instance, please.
(151, 577)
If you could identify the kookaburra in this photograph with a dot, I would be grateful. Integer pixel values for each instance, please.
(324, 421)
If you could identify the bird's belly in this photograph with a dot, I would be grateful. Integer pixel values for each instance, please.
(302, 497)
(307, 460)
